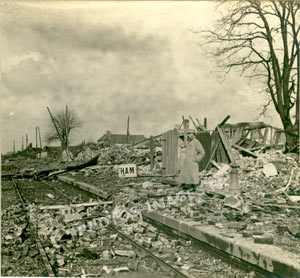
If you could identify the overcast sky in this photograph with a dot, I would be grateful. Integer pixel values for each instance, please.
(109, 60)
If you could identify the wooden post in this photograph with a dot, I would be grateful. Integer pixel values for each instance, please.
(205, 123)
(152, 146)
(36, 137)
(40, 138)
(26, 141)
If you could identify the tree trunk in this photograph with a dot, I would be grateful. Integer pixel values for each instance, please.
(291, 136)
(65, 152)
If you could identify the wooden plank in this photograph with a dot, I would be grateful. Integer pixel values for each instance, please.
(173, 152)
(226, 144)
(151, 152)
(176, 166)
(277, 136)
(212, 155)
(244, 150)
(215, 164)
(265, 135)
(215, 140)
(205, 139)
(237, 134)
(163, 141)
(171, 160)
(167, 152)
(223, 154)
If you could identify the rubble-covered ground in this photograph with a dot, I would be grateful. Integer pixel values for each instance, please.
(267, 208)
(268, 204)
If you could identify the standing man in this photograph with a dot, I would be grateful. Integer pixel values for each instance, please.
(189, 172)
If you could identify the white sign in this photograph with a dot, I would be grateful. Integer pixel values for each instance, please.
(127, 170)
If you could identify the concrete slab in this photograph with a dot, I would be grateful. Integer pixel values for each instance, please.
(85, 186)
(269, 257)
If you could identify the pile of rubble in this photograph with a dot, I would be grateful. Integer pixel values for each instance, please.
(115, 155)
(19, 252)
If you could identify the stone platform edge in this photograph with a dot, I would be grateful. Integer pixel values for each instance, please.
(269, 257)
(85, 186)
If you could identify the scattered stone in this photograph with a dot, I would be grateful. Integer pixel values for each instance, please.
(72, 217)
(280, 229)
(61, 262)
(263, 239)
(257, 233)
(121, 269)
(220, 225)
(246, 234)
(294, 230)
(147, 185)
(125, 253)
(294, 199)
(50, 196)
(89, 254)
(114, 236)
(233, 202)
(270, 170)
(222, 171)
(146, 244)
(106, 255)
(33, 253)
(9, 237)
(211, 222)
(157, 245)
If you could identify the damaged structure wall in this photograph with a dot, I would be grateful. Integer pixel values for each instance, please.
(247, 137)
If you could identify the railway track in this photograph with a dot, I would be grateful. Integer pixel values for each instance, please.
(119, 254)
(126, 249)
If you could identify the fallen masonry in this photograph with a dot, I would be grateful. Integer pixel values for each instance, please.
(258, 221)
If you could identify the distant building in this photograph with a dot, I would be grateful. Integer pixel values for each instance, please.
(120, 138)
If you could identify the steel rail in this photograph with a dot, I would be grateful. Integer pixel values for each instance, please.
(147, 252)
(35, 235)
(234, 261)
(55, 189)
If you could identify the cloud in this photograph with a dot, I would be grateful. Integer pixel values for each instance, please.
(106, 71)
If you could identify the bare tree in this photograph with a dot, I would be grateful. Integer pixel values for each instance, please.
(63, 122)
(261, 40)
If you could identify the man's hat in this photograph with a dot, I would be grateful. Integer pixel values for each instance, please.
(190, 130)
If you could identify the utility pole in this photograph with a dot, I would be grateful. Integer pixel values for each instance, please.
(22, 143)
(67, 128)
(127, 137)
(40, 138)
(14, 146)
(26, 141)
(36, 137)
